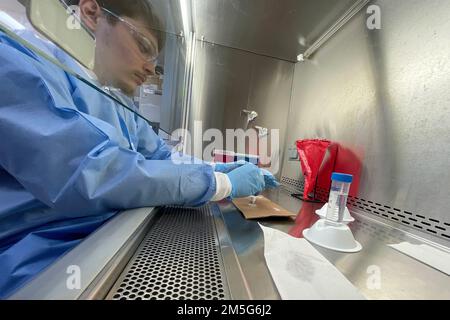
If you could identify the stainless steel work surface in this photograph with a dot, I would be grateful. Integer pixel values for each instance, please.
(400, 277)
(214, 253)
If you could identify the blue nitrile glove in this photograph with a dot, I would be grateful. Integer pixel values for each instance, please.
(270, 180)
(247, 180)
(228, 167)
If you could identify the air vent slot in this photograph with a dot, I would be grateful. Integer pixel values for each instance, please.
(416, 221)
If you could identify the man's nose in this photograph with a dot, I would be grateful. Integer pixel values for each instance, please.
(149, 69)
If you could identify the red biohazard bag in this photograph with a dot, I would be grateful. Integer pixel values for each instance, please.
(311, 153)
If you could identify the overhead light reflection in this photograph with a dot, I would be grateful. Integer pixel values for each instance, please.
(185, 17)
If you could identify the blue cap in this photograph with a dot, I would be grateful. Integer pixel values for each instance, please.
(342, 177)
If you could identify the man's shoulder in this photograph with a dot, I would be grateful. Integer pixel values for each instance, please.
(27, 47)
(26, 70)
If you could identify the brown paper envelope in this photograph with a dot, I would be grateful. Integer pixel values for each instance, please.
(263, 208)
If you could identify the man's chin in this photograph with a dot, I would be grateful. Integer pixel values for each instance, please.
(128, 89)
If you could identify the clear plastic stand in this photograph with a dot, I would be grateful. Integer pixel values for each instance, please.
(322, 212)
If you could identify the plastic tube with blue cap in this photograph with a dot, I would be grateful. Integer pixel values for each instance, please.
(337, 201)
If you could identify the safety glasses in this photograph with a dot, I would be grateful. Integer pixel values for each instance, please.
(148, 50)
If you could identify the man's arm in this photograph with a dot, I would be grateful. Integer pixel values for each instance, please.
(67, 161)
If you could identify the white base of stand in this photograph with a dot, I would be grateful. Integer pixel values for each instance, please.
(334, 237)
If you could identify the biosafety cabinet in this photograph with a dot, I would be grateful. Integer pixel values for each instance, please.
(370, 78)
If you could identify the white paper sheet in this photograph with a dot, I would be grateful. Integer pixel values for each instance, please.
(300, 272)
(429, 255)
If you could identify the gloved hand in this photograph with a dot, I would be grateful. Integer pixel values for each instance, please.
(247, 180)
(228, 167)
(270, 180)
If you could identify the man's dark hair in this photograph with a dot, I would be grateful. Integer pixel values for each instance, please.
(141, 10)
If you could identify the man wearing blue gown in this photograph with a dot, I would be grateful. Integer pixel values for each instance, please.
(71, 157)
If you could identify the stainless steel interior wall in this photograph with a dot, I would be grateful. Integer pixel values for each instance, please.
(228, 80)
(173, 84)
(384, 94)
(276, 28)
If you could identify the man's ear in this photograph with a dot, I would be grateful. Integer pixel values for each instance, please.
(90, 13)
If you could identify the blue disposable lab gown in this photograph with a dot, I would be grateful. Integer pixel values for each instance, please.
(70, 159)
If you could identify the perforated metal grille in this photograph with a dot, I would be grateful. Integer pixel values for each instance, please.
(293, 185)
(410, 219)
(179, 259)
(322, 194)
(297, 186)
